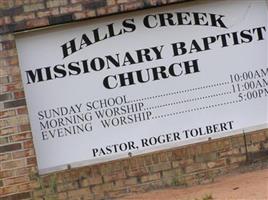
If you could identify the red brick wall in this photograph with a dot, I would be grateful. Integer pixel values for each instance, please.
(19, 179)
(185, 166)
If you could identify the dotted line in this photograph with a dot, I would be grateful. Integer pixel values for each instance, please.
(179, 92)
(195, 109)
(188, 100)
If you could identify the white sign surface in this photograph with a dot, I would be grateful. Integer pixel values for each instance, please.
(129, 84)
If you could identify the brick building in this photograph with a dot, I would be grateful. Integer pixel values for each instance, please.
(19, 178)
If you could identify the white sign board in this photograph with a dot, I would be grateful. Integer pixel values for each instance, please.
(134, 83)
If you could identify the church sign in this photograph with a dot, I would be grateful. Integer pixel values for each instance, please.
(134, 83)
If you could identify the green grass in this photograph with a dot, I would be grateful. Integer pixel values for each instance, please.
(206, 197)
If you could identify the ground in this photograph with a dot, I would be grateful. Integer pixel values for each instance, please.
(250, 183)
